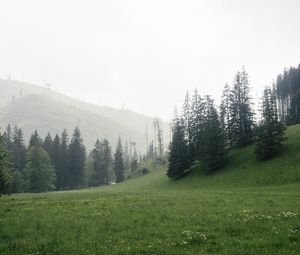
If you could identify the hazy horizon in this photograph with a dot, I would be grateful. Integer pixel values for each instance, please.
(144, 56)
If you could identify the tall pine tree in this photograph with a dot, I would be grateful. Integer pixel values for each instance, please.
(119, 162)
(77, 160)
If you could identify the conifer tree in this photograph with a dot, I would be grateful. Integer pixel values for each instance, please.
(64, 161)
(241, 115)
(270, 134)
(77, 160)
(5, 172)
(48, 146)
(97, 155)
(119, 162)
(35, 140)
(18, 150)
(57, 161)
(225, 114)
(213, 143)
(179, 155)
(18, 160)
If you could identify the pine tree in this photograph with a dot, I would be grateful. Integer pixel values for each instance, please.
(107, 161)
(48, 146)
(241, 115)
(270, 134)
(225, 114)
(213, 150)
(18, 160)
(5, 172)
(57, 161)
(77, 160)
(97, 155)
(119, 162)
(64, 161)
(179, 155)
(35, 140)
(39, 173)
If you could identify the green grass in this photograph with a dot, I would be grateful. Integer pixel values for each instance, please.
(248, 208)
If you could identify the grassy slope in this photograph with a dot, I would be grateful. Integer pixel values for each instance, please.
(241, 210)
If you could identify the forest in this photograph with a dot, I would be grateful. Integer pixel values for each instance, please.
(201, 132)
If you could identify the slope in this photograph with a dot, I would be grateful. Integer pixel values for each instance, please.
(44, 114)
(12, 90)
(220, 214)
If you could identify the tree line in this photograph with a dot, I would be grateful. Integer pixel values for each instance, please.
(204, 133)
(61, 163)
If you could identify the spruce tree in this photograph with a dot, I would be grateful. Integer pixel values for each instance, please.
(64, 161)
(119, 162)
(57, 161)
(179, 156)
(77, 160)
(5, 172)
(107, 161)
(213, 150)
(48, 146)
(97, 155)
(241, 114)
(270, 133)
(35, 140)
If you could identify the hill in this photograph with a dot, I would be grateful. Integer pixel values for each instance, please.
(129, 123)
(37, 112)
(241, 210)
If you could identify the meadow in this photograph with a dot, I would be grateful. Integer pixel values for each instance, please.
(248, 208)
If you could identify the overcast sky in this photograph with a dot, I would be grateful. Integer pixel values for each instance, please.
(144, 55)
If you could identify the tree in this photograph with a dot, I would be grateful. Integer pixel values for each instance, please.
(119, 162)
(213, 150)
(288, 95)
(48, 146)
(97, 155)
(18, 150)
(39, 173)
(35, 140)
(5, 172)
(18, 160)
(241, 122)
(77, 160)
(57, 161)
(179, 156)
(64, 161)
(225, 114)
(270, 134)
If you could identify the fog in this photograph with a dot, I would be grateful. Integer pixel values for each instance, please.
(144, 55)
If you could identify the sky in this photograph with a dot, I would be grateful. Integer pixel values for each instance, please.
(145, 55)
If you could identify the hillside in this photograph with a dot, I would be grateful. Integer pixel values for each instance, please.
(248, 208)
(129, 123)
(37, 112)
(242, 170)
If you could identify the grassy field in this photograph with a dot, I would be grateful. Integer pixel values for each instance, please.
(248, 208)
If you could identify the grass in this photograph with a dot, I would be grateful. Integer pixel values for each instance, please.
(248, 208)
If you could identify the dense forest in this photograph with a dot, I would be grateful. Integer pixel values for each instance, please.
(63, 163)
(204, 133)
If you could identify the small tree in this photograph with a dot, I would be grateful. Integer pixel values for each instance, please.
(119, 162)
(270, 134)
(77, 160)
(39, 173)
(179, 157)
(5, 172)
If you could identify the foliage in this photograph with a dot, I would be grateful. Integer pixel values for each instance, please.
(5, 172)
(288, 95)
(39, 173)
(270, 134)
(77, 154)
(119, 162)
(179, 155)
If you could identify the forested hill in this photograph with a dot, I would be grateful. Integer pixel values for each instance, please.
(51, 111)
